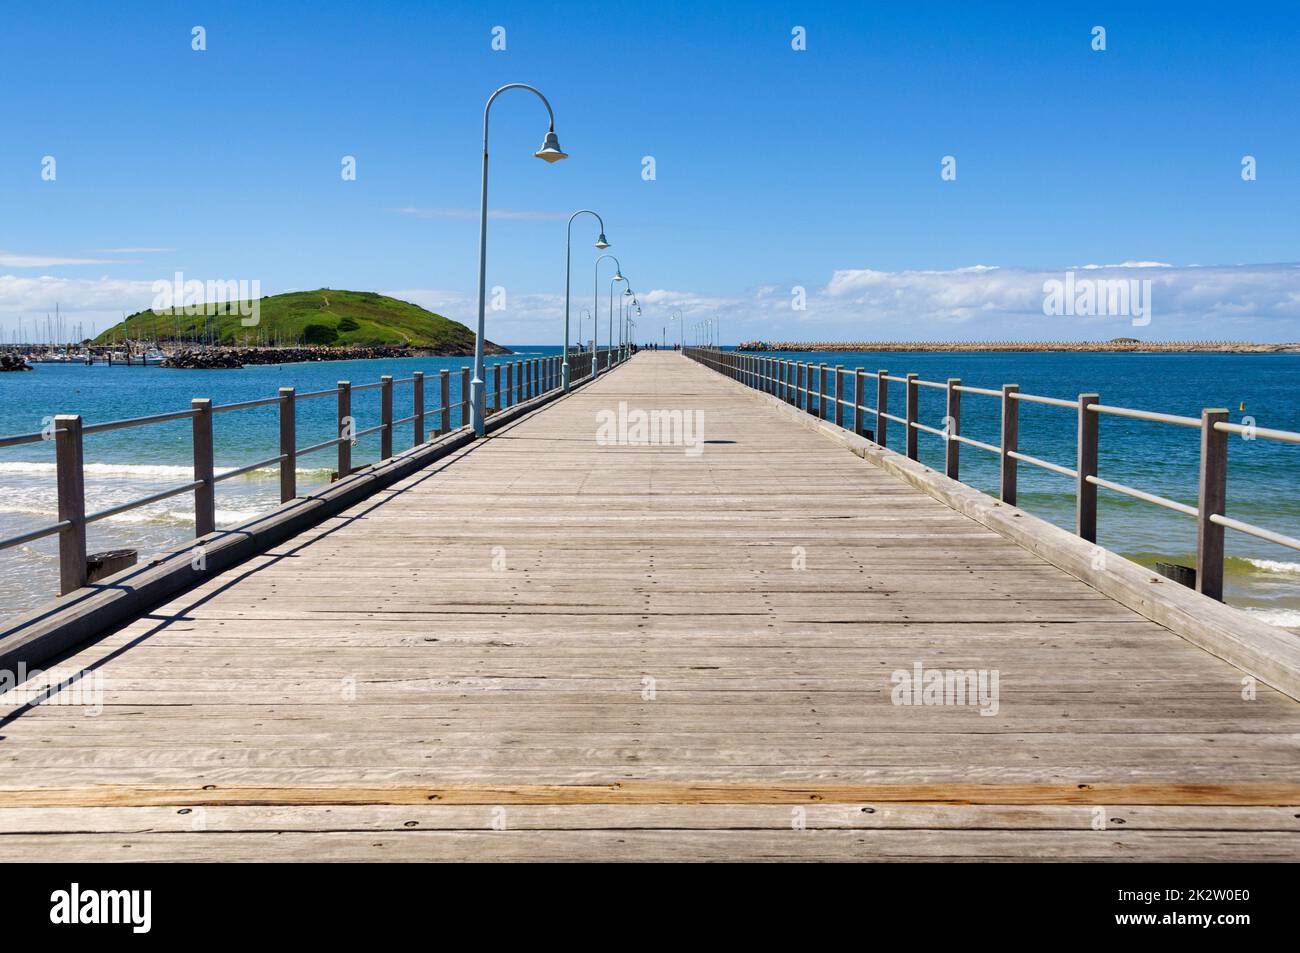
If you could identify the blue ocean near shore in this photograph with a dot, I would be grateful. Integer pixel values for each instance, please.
(127, 464)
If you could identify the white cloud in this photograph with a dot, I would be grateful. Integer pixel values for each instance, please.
(12, 260)
(976, 302)
(132, 251)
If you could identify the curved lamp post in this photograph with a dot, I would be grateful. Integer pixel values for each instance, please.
(568, 257)
(595, 307)
(582, 316)
(550, 152)
(636, 304)
(624, 307)
(681, 328)
(610, 321)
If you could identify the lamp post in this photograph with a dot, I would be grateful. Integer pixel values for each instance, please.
(568, 258)
(550, 152)
(595, 308)
(681, 329)
(610, 323)
(624, 312)
(582, 316)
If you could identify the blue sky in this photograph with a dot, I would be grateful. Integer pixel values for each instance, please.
(775, 168)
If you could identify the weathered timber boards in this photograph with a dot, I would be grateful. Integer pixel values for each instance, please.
(645, 792)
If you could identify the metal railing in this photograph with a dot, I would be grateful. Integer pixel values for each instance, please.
(524, 380)
(815, 387)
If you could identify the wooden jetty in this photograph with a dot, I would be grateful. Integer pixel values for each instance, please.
(549, 645)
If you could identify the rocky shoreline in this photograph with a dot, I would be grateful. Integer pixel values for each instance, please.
(13, 362)
(1119, 345)
(229, 358)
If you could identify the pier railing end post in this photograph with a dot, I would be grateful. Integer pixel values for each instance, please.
(1212, 501)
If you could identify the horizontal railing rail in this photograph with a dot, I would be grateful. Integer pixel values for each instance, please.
(524, 380)
(813, 388)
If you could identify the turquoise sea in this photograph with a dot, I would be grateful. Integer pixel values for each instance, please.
(122, 465)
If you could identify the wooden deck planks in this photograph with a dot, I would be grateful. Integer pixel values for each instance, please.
(541, 610)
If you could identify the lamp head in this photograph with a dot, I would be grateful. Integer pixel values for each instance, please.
(601, 243)
(550, 150)
(618, 276)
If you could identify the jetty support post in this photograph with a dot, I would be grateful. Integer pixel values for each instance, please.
(882, 406)
(71, 478)
(1212, 501)
(346, 428)
(913, 397)
(464, 396)
(1010, 442)
(821, 391)
(417, 400)
(497, 401)
(288, 445)
(385, 417)
(952, 428)
(1085, 490)
(444, 398)
(205, 492)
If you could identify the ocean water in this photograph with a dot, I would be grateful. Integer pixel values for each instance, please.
(127, 464)
(1158, 458)
(123, 465)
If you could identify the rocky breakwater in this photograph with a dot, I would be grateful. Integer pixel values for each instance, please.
(217, 358)
(13, 362)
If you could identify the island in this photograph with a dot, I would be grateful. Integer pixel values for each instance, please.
(322, 325)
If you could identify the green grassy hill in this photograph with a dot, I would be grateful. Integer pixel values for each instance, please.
(323, 317)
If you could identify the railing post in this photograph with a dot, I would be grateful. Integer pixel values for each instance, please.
(913, 397)
(386, 417)
(859, 390)
(837, 394)
(346, 428)
(952, 427)
(1085, 492)
(205, 494)
(1212, 501)
(444, 397)
(497, 399)
(464, 396)
(71, 477)
(288, 445)
(1010, 441)
(882, 407)
(519, 383)
(820, 408)
(535, 377)
(417, 400)
(804, 375)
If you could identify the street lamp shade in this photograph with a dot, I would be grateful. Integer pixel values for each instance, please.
(550, 150)
(601, 243)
